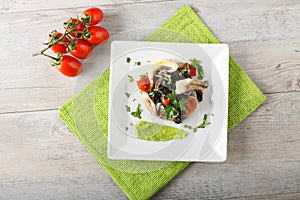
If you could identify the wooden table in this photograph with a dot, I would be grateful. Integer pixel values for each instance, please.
(41, 159)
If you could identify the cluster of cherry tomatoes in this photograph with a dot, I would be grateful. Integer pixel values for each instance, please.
(78, 39)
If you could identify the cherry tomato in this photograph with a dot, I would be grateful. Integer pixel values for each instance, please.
(80, 49)
(62, 48)
(79, 27)
(69, 66)
(190, 106)
(92, 15)
(144, 84)
(165, 101)
(192, 69)
(98, 35)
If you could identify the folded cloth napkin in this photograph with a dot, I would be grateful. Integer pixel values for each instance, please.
(142, 179)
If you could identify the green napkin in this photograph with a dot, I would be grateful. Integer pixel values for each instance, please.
(86, 115)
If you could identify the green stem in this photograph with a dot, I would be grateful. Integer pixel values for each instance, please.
(66, 34)
(44, 54)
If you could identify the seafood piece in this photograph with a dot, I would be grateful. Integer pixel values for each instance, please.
(149, 103)
(160, 111)
(173, 93)
(187, 85)
(168, 65)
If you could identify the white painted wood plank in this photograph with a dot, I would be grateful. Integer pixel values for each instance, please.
(251, 20)
(41, 159)
(274, 65)
(7, 6)
(294, 196)
(39, 86)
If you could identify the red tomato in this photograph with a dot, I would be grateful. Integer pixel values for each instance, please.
(192, 69)
(62, 48)
(98, 35)
(80, 49)
(144, 84)
(69, 66)
(166, 101)
(190, 106)
(92, 16)
(78, 25)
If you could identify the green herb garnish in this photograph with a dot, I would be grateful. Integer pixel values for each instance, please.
(133, 100)
(203, 124)
(187, 126)
(137, 63)
(126, 128)
(127, 108)
(128, 59)
(171, 111)
(177, 104)
(183, 104)
(143, 75)
(196, 63)
(148, 61)
(127, 94)
(130, 79)
(150, 92)
(137, 112)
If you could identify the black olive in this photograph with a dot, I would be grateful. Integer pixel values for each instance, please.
(156, 97)
(177, 120)
(199, 95)
(165, 90)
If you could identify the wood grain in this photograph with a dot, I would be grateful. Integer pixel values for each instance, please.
(267, 57)
(41, 159)
(27, 6)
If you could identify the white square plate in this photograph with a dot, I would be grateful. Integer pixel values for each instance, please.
(206, 145)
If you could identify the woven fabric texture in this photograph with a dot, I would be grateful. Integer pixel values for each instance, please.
(142, 179)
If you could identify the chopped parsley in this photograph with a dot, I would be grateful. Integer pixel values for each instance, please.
(131, 124)
(137, 113)
(204, 123)
(128, 59)
(130, 79)
(127, 94)
(148, 61)
(133, 100)
(177, 104)
(143, 75)
(126, 128)
(150, 91)
(187, 126)
(138, 63)
(171, 111)
(127, 108)
(196, 63)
